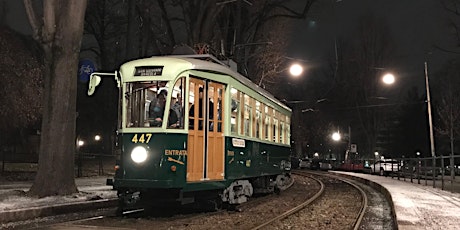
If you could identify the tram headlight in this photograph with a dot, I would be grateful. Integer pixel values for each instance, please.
(139, 154)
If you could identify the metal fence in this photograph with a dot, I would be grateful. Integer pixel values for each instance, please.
(86, 164)
(430, 171)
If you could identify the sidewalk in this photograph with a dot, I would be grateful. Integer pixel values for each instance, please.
(16, 206)
(417, 206)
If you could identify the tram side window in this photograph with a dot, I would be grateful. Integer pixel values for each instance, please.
(288, 130)
(280, 127)
(211, 107)
(247, 116)
(281, 130)
(258, 121)
(220, 95)
(275, 126)
(267, 123)
(177, 104)
(234, 111)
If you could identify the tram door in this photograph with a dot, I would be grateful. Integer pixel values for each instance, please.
(205, 150)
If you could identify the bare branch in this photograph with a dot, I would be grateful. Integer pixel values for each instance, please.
(34, 22)
(49, 21)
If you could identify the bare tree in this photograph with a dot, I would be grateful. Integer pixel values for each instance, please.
(452, 8)
(359, 77)
(58, 26)
(21, 88)
(448, 106)
(2, 12)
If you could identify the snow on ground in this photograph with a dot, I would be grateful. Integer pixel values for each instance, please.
(13, 195)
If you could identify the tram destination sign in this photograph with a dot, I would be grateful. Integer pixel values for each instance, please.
(148, 71)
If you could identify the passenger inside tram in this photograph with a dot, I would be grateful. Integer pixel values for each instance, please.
(157, 108)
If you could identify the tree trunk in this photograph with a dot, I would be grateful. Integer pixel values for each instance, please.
(60, 39)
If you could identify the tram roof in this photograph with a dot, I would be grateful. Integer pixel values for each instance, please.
(211, 64)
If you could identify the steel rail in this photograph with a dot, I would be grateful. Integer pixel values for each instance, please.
(297, 208)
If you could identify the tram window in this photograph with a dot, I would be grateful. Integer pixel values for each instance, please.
(210, 107)
(281, 130)
(275, 130)
(193, 98)
(258, 121)
(247, 116)
(177, 104)
(140, 99)
(205, 105)
(235, 105)
(267, 123)
(220, 95)
(288, 130)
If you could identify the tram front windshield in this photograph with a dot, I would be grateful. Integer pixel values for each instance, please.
(145, 104)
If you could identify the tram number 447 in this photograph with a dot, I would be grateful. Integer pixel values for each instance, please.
(142, 138)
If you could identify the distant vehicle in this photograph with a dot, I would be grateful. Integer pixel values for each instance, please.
(352, 165)
(305, 163)
(385, 167)
(325, 165)
(315, 164)
(456, 170)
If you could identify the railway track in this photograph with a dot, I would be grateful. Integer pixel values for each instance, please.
(292, 219)
(314, 201)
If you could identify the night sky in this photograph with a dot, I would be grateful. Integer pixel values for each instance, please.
(416, 26)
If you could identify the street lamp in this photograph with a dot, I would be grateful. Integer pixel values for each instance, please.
(296, 70)
(336, 136)
(80, 143)
(388, 78)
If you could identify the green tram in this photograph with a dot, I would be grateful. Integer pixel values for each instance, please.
(235, 142)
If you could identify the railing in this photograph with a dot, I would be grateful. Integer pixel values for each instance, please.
(423, 171)
(86, 164)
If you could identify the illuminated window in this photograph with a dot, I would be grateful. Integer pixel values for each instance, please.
(258, 121)
(275, 126)
(247, 116)
(145, 101)
(234, 111)
(267, 123)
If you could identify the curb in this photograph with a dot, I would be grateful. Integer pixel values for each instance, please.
(379, 188)
(34, 212)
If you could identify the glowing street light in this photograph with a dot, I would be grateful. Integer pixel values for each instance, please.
(336, 136)
(296, 70)
(388, 79)
(80, 143)
(97, 138)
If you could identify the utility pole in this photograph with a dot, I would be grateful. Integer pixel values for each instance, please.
(430, 119)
